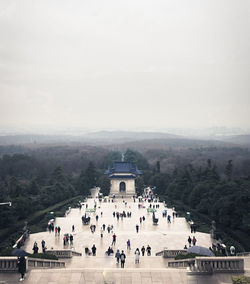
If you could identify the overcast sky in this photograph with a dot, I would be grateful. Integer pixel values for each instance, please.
(124, 64)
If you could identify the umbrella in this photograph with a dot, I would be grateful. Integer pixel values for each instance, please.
(200, 250)
(19, 252)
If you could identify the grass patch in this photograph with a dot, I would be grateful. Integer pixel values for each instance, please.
(241, 279)
(37, 222)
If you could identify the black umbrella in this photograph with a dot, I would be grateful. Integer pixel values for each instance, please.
(200, 250)
(19, 252)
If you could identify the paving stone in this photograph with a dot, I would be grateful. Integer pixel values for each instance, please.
(102, 269)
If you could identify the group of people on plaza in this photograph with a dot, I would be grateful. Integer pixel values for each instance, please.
(191, 241)
(36, 248)
(68, 239)
(122, 214)
(118, 254)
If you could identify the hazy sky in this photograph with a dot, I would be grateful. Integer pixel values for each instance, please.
(124, 64)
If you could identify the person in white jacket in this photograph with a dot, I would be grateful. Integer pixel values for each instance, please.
(137, 255)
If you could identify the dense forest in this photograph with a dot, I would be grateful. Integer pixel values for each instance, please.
(209, 195)
(212, 182)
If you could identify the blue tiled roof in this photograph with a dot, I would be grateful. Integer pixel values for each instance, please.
(122, 176)
(123, 167)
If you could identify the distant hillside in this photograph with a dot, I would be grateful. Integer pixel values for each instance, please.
(237, 139)
(101, 137)
(128, 135)
(123, 139)
(169, 143)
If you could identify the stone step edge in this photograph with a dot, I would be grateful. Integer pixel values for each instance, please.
(112, 269)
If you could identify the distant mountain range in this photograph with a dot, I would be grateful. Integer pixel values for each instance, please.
(156, 139)
(236, 139)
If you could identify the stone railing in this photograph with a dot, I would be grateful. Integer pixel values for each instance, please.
(208, 265)
(219, 264)
(45, 263)
(66, 253)
(9, 263)
(75, 253)
(160, 253)
(173, 253)
(182, 263)
(247, 253)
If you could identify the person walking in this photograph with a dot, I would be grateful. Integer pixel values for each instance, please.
(137, 228)
(143, 250)
(101, 232)
(194, 240)
(93, 250)
(122, 257)
(189, 241)
(148, 250)
(137, 255)
(43, 246)
(71, 239)
(73, 228)
(128, 244)
(21, 263)
(117, 256)
(114, 239)
(35, 248)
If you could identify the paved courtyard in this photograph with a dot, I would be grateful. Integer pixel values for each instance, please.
(102, 268)
(171, 235)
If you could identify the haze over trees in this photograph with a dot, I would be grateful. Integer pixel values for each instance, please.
(212, 181)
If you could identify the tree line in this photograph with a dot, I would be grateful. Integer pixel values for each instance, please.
(40, 177)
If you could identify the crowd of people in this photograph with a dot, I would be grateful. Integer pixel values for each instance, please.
(118, 214)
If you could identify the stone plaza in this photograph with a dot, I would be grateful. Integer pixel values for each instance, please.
(104, 269)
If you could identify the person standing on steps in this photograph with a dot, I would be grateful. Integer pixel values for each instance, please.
(93, 250)
(148, 250)
(137, 255)
(122, 257)
(21, 263)
(137, 228)
(114, 239)
(143, 250)
(117, 256)
(128, 245)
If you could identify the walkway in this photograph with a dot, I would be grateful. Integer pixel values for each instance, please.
(171, 235)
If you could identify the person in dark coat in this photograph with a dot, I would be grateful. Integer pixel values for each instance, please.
(122, 258)
(93, 250)
(21, 263)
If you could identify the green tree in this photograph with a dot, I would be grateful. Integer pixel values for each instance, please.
(104, 184)
(139, 185)
(229, 169)
(158, 167)
(136, 158)
(91, 175)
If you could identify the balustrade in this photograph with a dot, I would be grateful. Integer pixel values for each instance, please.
(66, 253)
(211, 264)
(9, 263)
(173, 253)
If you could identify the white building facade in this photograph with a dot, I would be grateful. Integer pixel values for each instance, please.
(122, 179)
